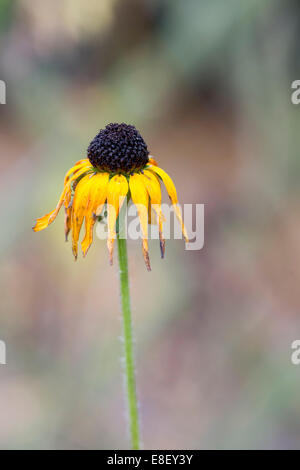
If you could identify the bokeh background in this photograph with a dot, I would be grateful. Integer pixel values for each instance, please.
(208, 84)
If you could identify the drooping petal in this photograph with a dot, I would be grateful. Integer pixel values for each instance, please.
(116, 193)
(168, 183)
(140, 198)
(65, 199)
(47, 219)
(170, 186)
(151, 182)
(153, 187)
(79, 206)
(97, 198)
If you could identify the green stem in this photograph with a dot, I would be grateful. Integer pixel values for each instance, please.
(128, 345)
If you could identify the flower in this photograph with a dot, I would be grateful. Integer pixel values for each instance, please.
(118, 166)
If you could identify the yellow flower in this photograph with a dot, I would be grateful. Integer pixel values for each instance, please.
(118, 166)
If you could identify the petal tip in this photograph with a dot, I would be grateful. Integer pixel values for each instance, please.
(85, 250)
(146, 259)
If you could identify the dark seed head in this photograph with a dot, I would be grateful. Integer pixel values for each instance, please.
(118, 147)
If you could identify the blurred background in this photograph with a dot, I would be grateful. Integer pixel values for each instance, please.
(208, 84)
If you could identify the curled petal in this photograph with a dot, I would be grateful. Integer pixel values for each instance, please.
(65, 199)
(97, 198)
(79, 206)
(85, 163)
(74, 177)
(140, 198)
(47, 219)
(116, 193)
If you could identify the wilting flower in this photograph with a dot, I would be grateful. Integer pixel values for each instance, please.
(118, 166)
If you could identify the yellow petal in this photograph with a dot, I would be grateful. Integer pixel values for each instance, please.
(82, 161)
(68, 212)
(97, 198)
(116, 193)
(65, 199)
(179, 217)
(79, 206)
(85, 163)
(140, 198)
(168, 183)
(153, 187)
(47, 219)
(75, 176)
(151, 215)
(172, 194)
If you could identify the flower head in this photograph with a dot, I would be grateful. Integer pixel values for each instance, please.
(118, 147)
(118, 166)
